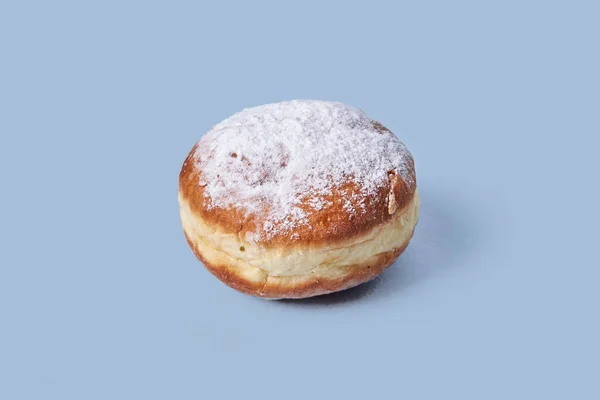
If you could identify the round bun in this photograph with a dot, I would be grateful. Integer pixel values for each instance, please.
(298, 199)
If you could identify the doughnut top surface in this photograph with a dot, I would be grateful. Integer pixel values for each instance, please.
(298, 171)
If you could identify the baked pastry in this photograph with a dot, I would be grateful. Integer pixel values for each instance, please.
(298, 199)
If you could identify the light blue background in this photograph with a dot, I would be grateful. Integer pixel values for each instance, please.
(496, 297)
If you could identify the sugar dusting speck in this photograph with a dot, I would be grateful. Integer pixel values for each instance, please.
(274, 156)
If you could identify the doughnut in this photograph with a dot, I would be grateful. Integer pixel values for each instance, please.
(297, 199)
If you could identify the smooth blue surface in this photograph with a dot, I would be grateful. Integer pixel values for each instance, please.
(496, 298)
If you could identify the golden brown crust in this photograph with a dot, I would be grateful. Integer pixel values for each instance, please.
(332, 224)
(291, 287)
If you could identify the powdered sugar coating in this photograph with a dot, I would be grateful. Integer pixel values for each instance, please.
(284, 159)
